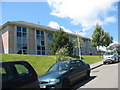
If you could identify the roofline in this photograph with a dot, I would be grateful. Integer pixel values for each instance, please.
(51, 29)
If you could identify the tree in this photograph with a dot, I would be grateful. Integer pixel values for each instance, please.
(101, 38)
(60, 39)
(107, 39)
(97, 36)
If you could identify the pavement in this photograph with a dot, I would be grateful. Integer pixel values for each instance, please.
(95, 65)
(105, 76)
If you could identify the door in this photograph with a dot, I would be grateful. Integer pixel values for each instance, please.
(23, 76)
(74, 71)
(7, 75)
(81, 69)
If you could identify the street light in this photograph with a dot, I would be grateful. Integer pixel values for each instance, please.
(79, 43)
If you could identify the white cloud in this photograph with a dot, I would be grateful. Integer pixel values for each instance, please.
(23, 0)
(55, 25)
(84, 12)
(83, 34)
(110, 19)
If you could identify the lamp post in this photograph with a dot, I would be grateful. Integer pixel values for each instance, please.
(79, 43)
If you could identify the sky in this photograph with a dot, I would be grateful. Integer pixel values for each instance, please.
(71, 15)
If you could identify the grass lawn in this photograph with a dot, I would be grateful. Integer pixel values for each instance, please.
(41, 63)
(91, 59)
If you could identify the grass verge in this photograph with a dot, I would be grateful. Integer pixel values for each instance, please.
(41, 63)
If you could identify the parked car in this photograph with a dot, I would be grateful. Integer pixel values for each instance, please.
(63, 74)
(110, 57)
(18, 74)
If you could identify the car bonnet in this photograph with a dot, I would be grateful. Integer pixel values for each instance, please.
(52, 75)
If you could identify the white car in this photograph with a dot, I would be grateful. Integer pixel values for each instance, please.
(110, 57)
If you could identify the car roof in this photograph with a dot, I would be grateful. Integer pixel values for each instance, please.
(66, 61)
(13, 61)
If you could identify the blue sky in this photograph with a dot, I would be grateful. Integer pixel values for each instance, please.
(71, 18)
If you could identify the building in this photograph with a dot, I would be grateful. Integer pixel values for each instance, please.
(19, 37)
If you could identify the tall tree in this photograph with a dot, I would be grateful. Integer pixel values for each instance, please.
(97, 36)
(101, 38)
(107, 39)
(60, 39)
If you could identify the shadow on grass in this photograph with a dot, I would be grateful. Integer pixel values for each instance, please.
(82, 83)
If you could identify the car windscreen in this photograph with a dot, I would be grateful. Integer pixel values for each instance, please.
(59, 66)
(109, 53)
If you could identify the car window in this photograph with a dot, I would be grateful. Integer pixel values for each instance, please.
(73, 64)
(64, 66)
(54, 68)
(2, 70)
(4, 74)
(21, 69)
(109, 53)
(78, 62)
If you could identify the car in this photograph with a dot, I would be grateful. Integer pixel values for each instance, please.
(110, 57)
(18, 74)
(64, 74)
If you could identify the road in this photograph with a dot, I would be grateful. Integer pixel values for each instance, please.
(105, 76)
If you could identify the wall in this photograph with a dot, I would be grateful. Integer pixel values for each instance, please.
(31, 41)
(1, 42)
(12, 39)
(4, 36)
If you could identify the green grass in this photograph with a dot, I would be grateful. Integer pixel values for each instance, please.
(91, 59)
(41, 63)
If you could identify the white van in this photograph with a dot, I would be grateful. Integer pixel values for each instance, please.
(110, 57)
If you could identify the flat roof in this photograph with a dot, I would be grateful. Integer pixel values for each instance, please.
(37, 26)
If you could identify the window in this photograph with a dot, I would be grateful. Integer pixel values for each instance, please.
(2, 70)
(40, 42)
(42, 32)
(39, 52)
(72, 64)
(49, 36)
(21, 40)
(21, 69)
(4, 74)
(54, 68)
(18, 29)
(78, 63)
(24, 30)
(43, 52)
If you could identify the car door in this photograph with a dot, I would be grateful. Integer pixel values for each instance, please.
(3, 76)
(26, 77)
(81, 69)
(73, 72)
(7, 75)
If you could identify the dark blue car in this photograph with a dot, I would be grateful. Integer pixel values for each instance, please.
(63, 74)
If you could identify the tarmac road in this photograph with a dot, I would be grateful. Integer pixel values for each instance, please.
(105, 76)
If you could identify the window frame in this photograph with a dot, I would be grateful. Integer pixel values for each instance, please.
(23, 39)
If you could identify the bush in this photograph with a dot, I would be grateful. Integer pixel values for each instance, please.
(61, 54)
